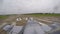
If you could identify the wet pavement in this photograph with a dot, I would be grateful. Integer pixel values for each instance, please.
(56, 32)
(34, 27)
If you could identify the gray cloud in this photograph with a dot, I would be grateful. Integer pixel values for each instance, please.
(29, 6)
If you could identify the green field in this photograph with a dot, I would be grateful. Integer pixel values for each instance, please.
(3, 16)
(38, 14)
(35, 14)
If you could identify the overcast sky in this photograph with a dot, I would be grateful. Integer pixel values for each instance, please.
(29, 6)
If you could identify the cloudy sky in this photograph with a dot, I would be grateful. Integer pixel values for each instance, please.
(29, 6)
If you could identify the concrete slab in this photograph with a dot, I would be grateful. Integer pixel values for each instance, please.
(45, 27)
(16, 29)
(32, 27)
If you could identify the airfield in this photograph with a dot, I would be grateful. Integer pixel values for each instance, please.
(22, 19)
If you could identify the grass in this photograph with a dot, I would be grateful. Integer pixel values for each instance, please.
(34, 14)
(38, 14)
(3, 16)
